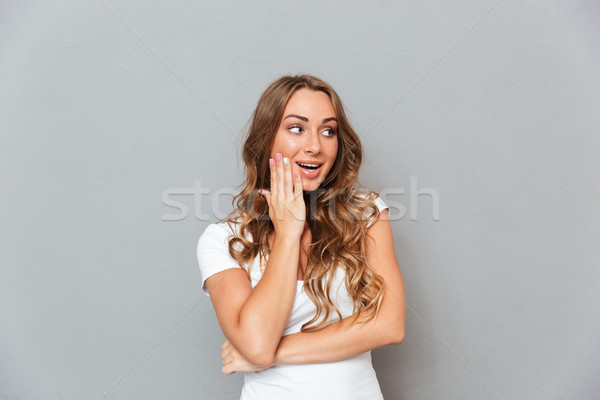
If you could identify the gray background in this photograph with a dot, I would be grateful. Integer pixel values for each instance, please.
(107, 106)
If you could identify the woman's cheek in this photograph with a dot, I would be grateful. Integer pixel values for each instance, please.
(291, 147)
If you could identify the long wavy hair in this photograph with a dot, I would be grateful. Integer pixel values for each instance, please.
(338, 212)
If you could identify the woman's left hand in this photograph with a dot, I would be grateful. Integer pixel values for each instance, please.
(234, 362)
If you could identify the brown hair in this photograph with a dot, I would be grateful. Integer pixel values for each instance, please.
(338, 220)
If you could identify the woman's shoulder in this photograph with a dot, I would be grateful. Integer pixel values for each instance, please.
(221, 231)
(216, 228)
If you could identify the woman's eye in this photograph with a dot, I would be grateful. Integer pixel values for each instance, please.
(329, 132)
(296, 127)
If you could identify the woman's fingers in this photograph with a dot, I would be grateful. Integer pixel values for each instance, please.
(266, 194)
(286, 205)
(224, 353)
(280, 187)
(288, 183)
(273, 170)
(297, 183)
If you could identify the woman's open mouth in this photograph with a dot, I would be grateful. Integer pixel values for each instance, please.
(310, 170)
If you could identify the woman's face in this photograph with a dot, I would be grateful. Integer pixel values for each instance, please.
(307, 135)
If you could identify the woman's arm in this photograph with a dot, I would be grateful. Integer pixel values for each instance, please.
(253, 320)
(345, 338)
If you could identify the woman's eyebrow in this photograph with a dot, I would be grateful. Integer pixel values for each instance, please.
(306, 119)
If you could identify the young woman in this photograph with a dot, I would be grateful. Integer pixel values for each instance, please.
(303, 274)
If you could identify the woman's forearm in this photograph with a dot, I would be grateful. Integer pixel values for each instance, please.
(347, 338)
(337, 341)
(263, 316)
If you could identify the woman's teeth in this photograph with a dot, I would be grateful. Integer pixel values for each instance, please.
(311, 167)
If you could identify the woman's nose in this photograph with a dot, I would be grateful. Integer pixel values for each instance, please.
(312, 144)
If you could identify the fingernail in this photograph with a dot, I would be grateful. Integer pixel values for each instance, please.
(278, 156)
(285, 161)
(296, 174)
(271, 162)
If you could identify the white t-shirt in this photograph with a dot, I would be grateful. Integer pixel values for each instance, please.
(349, 379)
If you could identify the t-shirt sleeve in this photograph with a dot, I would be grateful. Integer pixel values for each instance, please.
(213, 253)
(381, 206)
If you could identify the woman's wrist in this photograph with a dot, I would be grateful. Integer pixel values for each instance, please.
(288, 239)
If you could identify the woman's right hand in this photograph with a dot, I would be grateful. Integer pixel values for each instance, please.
(286, 203)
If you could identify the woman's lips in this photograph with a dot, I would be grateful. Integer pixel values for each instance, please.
(309, 173)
